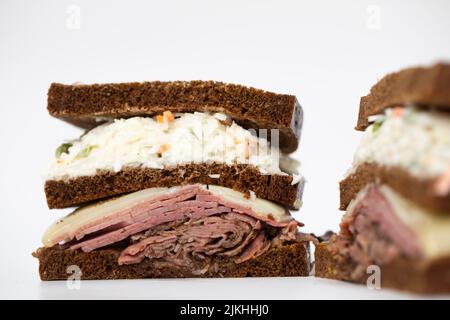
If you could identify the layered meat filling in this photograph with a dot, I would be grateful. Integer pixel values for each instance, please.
(380, 227)
(167, 140)
(180, 225)
(413, 139)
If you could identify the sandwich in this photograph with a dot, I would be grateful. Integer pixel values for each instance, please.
(397, 193)
(175, 179)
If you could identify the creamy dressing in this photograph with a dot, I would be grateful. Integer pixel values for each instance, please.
(413, 139)
(162, 141)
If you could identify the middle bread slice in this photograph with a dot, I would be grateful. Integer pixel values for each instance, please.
(184, 231)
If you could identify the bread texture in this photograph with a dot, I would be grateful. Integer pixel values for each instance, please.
(420, 191)
(422, 86)
(287, 260)
(240, 177)
(415, 276)
(252, 108)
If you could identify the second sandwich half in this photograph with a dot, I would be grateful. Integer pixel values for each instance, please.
(175, 179)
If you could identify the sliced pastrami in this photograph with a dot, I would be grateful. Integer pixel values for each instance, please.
(256, 248)
(224, 235)
(371, 233)
(191, 202)
(185, 225)
(160, 215)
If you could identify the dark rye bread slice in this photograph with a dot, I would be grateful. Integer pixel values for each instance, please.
(416, 276)
(240, 177)
(251, 108)
(420, 191)
(287, 260)
(422, 86)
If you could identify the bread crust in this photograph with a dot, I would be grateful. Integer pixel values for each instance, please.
(287, 260)
(249, 107)
(240, 177)
(420, 191)
(422, 86)
(416, 276)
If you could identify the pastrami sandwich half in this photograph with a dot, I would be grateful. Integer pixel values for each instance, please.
(397, 194)
(162, 134)
(172, 183)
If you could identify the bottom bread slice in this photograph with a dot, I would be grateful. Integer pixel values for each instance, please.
(415, 276)
(290, 259)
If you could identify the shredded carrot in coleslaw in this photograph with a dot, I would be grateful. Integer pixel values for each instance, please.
(442, 185)
(167, 116)
(159, 119)
(163, 148)
(398, 111)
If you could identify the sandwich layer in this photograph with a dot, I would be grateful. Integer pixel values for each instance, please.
(182, 226)
(248, 179)
(420, 86)
(287, 260)
(416, 276)
(381, 228)
(416, 140)
(164, 141)
(418, 232)
(84, 105)
(408, 149)
(422, 191)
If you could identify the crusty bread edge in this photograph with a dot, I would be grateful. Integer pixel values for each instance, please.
(422, 86)
(414, 276)
(420, 191)
(278, 188)
(186, 96)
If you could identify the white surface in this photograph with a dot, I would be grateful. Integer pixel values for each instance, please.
(223, 289)
(327, 53)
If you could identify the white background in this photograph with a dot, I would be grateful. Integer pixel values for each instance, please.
(327, 53)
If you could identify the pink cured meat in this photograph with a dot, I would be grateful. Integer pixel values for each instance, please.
(227, 235)
(205, 225)
(372, 233)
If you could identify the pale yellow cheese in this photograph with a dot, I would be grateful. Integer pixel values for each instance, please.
(80, 217)
(261, 207)
(432, 229)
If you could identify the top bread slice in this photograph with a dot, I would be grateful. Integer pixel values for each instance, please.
(421, 86)
(86, 105)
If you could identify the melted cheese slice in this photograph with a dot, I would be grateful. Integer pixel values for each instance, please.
(263, 208)
(432, 229)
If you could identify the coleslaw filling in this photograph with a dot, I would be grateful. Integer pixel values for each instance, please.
(410, 138)
(167, 140)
